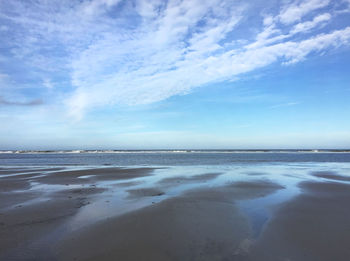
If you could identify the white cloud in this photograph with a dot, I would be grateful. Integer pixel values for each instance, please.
(294, 12)
(4, 28)
(96, 7)
(288, 104)
(3, 76)
(306, 26)
(139, 86)
(48, 83)
(141, 52)
(3, 80)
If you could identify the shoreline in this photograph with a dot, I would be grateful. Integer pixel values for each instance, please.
(174, 151)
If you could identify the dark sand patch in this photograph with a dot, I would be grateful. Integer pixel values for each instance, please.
(17, 182)
(256, 185)
(13, 184)
(24, 226)
(200, 225)
(7, 171)
(11, 199)
(127, 184)
(26, 231)
(144, 192)
(189, 179)
(28, 175)
(96, 174)
(238, 191)
(80, 191)
(313, 226)
(331, 175)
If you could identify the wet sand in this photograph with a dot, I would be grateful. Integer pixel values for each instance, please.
(203, 222)
(192, 179)
(31, 219)
(331, 176)
(313, 226)
(6, 171)
(94, 175)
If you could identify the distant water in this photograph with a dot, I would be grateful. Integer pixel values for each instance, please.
(164, 158)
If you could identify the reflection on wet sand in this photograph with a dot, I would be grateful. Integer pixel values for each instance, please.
(313, 226)
(175, 213)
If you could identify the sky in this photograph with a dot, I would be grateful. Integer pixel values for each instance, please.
(191, 74)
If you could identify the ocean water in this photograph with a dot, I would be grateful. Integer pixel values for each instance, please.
(154, 158)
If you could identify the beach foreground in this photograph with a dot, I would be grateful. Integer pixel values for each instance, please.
(110, 213)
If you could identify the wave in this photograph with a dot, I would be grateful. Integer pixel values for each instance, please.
(175, 151)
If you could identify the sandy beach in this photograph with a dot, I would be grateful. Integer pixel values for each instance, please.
(138, 214)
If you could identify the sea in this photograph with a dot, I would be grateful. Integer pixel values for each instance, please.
(169, 157)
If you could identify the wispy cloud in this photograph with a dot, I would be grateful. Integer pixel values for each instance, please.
(3, 77)
(20, 103)
(308, 25)
(48, 83)
(139, 52)
(287, 104)
(298, 9)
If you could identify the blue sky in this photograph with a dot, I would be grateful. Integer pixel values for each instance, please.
(141, 74)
